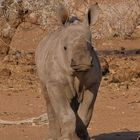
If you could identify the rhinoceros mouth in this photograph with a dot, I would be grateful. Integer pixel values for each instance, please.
(81, 67)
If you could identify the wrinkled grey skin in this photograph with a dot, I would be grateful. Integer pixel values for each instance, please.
(70, 74)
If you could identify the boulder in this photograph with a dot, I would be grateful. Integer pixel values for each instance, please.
(27, 37)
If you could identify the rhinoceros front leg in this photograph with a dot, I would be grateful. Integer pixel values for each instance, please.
(63, 111)
(85, 111)
(54, 126)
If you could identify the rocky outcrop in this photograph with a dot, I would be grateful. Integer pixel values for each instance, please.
(117, 18)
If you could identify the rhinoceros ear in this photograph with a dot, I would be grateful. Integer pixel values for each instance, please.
(62, 14)
(92, 14)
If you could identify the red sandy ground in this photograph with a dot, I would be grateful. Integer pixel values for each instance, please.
(116, 115)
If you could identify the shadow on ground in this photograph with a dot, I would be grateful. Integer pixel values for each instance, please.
(126, 135)
(122, 52)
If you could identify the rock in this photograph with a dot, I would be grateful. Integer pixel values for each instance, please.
(104, 65)
(5, 72)
(4, 48)
(27, 37)
(124, 69)
(7, 31)
(32, 18)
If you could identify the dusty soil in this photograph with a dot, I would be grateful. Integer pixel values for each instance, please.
(117, 109)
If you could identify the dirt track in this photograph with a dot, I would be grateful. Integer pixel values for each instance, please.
(116, 115)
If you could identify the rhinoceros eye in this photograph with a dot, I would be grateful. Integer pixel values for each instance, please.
(65, 48)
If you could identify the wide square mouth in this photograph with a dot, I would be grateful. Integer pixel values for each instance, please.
(81, 67)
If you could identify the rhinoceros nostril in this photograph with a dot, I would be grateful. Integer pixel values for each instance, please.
(65, 48)
(72, 62)
(91, 61)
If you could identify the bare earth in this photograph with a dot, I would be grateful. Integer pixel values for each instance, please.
(117, 110)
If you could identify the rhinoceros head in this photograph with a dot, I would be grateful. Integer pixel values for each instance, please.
(76, 42)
